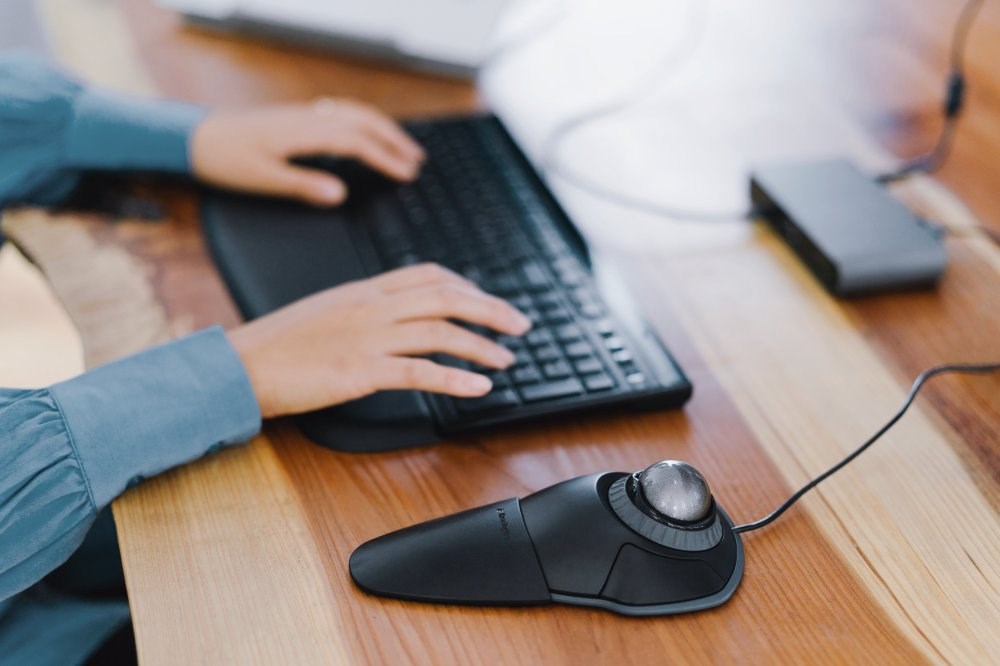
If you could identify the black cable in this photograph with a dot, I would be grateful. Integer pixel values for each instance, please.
(953, 101)
(927, 163)
(977, 368)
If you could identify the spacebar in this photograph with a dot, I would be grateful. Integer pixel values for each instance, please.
(561, 389)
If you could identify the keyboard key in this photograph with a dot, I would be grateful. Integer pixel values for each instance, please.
(552, 390)
(636, 379)
(582, 295)
(527, 375)
(556, 370)
(502, 284)
(522, 302)
(622, 357)
(521, 359)
(547, 299)
(453, 362)
(601, 382)
(591, 310)
(539, 337)
(509, 341)
(535, 277)
(614, 343)
(605, 327)
(548, 353)
(556, 316)
(568, 333)
(498, 377)
(547, 307)
(502, 399)
(579, 349)
(475, 275)
(585, 366)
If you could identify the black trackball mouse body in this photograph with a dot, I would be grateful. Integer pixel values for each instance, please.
(650, 543)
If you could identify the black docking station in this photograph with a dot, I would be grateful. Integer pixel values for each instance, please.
(852, 234)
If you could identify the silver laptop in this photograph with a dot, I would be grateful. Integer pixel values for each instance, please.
(450, 36)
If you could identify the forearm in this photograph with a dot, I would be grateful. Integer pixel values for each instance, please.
(69, 450)
(52, 128)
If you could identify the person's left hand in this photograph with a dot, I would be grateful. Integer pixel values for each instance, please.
(250, 150)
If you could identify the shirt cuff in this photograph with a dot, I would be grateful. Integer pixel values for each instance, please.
(172, 404)
(116, 132)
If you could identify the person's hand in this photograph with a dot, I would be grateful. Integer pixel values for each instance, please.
(361, 337)
(250, 150)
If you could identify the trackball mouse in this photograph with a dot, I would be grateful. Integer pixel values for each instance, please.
(650, 543)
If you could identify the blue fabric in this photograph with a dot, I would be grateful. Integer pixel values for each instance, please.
(71, 449)
(67, 451)
(52, 128)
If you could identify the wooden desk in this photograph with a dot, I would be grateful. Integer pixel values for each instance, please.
(242, 557)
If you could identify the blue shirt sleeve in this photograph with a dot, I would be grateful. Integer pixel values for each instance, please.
(68, 450)
(52, 128)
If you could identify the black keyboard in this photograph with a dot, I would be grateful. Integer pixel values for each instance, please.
(479, 209)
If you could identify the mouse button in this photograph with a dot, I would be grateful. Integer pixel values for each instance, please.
(640, 578)
(723, 557)
(576, 537)
(482, 555)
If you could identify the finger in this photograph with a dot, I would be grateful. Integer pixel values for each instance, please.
(441, 337)
(450, 301)
(424, 375)
(310, 185)
(420, 275)
(393, 137)
(373, 153)
(378, 125)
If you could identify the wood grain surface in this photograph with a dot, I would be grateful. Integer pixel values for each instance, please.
(242, 557)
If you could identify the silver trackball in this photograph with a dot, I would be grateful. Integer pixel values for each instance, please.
(676, 490)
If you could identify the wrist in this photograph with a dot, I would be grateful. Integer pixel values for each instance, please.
(114, 132)
(243, 341)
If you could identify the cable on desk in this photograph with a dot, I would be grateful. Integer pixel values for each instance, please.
(953, 102)
(968, 368)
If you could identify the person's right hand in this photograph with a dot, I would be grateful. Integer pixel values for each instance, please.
(361, 337)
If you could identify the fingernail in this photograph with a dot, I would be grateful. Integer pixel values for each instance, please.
(413, 170)
(477, 384)
(521, 323)
(502, 358)
(332, 192)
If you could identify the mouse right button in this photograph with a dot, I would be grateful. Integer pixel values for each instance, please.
(642, 578)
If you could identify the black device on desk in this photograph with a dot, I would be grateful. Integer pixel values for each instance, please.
(480, 209)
